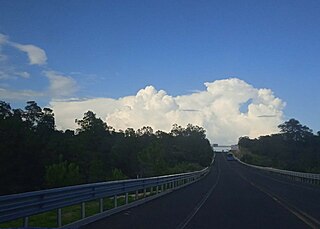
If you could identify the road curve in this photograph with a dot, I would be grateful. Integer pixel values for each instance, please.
(230, 196)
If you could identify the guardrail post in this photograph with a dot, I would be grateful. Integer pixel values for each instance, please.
(162, 188)
(115, 201)
(144, 192)
(151, 190)
(25, 221)
(137, 194)
(157, 189)
(83, 210)
(59, 217)
(101, 205)
(127, 198)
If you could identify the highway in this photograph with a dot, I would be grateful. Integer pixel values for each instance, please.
(230, 196)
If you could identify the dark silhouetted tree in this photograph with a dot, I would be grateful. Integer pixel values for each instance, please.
(294, 131)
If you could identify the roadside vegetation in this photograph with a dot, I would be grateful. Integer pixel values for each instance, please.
(295, 148)
(70, 213)
(35, 155)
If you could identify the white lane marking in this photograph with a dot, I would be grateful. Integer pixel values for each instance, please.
(286, 182)
(304, 217)
(197, 208)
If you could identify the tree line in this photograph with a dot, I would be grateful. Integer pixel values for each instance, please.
(35, 155)
(294, 148)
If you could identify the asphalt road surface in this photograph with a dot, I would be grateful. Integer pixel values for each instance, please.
(230, 196)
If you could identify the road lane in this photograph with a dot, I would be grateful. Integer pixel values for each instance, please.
(235, 203)
(230, 196)
(301, 197)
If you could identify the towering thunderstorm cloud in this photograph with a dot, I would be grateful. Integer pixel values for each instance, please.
(227, 109)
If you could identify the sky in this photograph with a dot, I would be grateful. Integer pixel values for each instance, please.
(237, 68)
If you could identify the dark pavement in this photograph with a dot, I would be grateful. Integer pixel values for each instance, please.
(230, 196)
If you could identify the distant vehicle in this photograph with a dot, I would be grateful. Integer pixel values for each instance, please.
(230, 157)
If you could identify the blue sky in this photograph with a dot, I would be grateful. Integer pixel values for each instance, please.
(112, 49)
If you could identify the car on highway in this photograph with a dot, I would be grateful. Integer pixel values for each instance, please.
(230, 157)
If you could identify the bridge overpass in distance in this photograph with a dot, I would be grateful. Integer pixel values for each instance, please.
(224, 148)
(232, 195)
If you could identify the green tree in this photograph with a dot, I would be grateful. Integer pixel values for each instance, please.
(197, 131)
(294, 131)
(46, 121)
(5, 110)
(177, 130)
(130, 132)
(116, 174)
(152, 161)
(33, 114)
(296, 148)
(91, 124)
(62, 174)
(97, 171)
(145, 131)
(124, 155)
(30, 147)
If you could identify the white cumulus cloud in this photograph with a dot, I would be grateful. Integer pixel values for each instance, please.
(35, 54)
(217, 109)
(3, 41)
(60, 85)
(19, 95)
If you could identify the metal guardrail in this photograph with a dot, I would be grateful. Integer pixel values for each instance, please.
(23, 205)
(312, 178)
